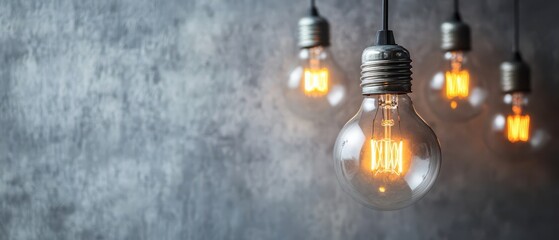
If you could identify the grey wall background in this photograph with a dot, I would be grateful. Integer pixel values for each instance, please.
(145, 119)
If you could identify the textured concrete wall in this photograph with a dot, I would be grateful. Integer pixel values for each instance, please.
(143, 119)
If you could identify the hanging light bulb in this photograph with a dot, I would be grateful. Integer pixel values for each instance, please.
(316, 88)
(386, 156)
(455, 94)
(511, 131)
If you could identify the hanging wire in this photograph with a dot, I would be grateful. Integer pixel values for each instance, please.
(313, 10)
(385, 15)
(385, 36)
(456, 14)
(516, 23)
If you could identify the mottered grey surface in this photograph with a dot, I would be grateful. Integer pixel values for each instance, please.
(143, 119)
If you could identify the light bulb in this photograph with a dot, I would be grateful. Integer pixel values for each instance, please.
(386, 156)
(511, 132)
(454, 93)
(316, 88)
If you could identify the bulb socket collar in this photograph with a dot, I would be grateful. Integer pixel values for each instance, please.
(515, 75)
(314, 31)
(385, 69)
(455, 35)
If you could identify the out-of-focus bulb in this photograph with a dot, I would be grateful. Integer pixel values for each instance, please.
(316, 87)
(454, 94)
(513, 132)
(386, 156)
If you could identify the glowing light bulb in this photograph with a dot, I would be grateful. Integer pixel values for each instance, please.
(511, 132)
(455, 94)
(386, 156)
(316, 88)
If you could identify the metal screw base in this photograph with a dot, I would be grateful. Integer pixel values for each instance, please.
(455, 36)
(385, 69)
(515, 76)
(313, 32)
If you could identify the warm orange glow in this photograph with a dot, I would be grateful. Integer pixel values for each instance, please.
(457, 83)
(518, 126)
(381, 189)
(387, 153)
(386, 156)
(453, 104)
(316, 82)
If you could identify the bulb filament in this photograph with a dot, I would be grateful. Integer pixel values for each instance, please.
(386, 156)
(518, 124)
(457, 81)
(518, 128)
(316, 82)
(386, 153)
(457, 84)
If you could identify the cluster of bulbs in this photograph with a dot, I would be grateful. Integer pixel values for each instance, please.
(386, 156)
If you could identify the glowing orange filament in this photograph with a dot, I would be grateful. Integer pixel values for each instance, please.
(457, 84)
(457, 81)
(386, 156)
(518, 126)
(316, 82)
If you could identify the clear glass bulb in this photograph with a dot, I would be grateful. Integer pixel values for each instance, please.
(316, 88)
(511, 131)
(455, 94)
(386, 156)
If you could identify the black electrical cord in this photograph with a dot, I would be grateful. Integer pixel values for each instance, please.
(385, 36)
(313, 9)
(385, 15)
(515, 48)
(456, 13)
